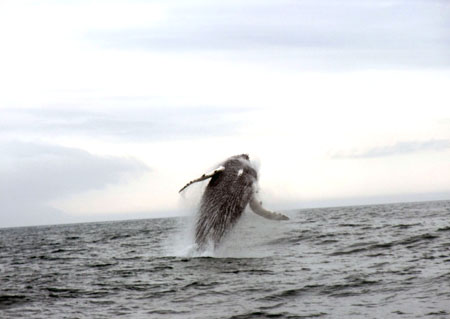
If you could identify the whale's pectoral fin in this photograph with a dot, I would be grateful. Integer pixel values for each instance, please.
(257, 208)
(202, 178)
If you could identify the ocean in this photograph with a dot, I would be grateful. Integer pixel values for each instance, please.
(378, 261)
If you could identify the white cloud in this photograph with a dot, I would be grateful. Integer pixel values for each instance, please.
(32, 175)
(125, 124)
(399, 148)
(185, 84)
(348, 34)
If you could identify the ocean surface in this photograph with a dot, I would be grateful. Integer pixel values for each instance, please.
(380, 261)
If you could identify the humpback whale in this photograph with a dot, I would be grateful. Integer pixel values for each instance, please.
(232, 186)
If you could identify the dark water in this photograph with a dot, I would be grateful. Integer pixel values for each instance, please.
(385, 261)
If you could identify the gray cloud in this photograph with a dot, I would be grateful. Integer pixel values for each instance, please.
(400, 148)
(138, 124)
(354, 33)
(32, 174)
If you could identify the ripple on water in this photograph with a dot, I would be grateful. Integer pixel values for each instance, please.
(332, 263)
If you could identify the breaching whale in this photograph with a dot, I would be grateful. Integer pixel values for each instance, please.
(232, 187)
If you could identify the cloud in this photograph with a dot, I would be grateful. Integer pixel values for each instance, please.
(400, 148)
(137, 124)
(347, 31)
(34, 174)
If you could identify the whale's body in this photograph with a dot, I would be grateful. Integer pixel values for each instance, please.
(232, 187)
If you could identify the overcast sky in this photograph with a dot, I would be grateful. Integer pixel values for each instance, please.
(107, 108)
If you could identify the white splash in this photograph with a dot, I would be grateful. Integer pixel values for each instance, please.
(248, 239)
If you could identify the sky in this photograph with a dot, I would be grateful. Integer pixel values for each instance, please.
(107, 108)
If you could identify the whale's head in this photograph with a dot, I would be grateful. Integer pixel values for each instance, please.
(240, 156)
(241, 165)
(244, 156)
